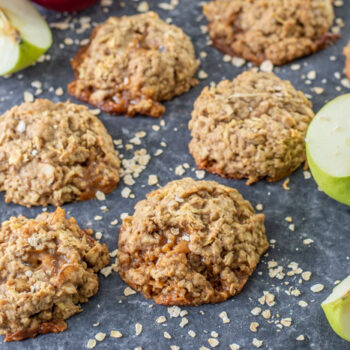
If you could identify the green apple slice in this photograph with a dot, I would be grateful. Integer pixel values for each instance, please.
(24, 35)
(337, 309)
(328, 148)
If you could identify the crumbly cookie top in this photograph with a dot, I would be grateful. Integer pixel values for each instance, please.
(275, 30)
(55, 153)
(191, 243)
(133, 62)
(48, 266)
(252, 127)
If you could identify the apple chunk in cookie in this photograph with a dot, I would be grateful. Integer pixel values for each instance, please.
(24, 35)
(48, 266)
(55, 153)
(328, 148)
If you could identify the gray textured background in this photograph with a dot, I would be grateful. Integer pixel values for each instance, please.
(315, 215)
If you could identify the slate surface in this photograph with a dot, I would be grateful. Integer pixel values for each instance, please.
(315, 216)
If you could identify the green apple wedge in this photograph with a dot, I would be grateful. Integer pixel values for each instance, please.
(328, 148)
(337, 309)
(24, 35)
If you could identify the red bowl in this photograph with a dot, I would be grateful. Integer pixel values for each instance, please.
(65, 5)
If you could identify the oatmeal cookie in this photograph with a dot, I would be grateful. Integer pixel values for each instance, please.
(190, 243)
(132, 63)
(347, 62)
(48, 266)
(55, 153)
(253, 127)
(275, 30)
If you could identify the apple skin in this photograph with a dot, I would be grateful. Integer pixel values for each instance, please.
(337, 188)
(29, 54)
(334, 312)
(65, 5)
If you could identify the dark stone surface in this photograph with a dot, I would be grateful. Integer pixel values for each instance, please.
(315, 216)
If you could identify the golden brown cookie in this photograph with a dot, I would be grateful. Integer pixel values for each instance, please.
(253, 127)
(48, 266)
(133, 63)
(55, 153)
(275, 30)
(347, 60)
(191, 243)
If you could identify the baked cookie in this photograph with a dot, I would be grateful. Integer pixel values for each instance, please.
(133, 63)
(275, 30)
(48, 266)
(253, 127)
(55, 153)
(190, 243)
(347, 62)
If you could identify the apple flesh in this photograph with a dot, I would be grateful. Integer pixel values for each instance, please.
(328, 148)
(24, 35)
(65, 5)
(337, 309)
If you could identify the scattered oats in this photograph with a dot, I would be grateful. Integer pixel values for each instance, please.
(37, 84)
(100, 196)
(259, 206)
(318, 287)
(287, 322)
(106, 271)
(301, 337)
(296, 292)
(307, 175)
(203, 348)
(100, 336)
(28, 96)
(138, 328)
(238, 62)
(311, 75)
(129, 291)
(105, 3)
(214, 334)
(152, 180)
(21, 126)
(306, 275)
(183, 322)
(161, 319)
(257, 343)
(156, 127)
(295, 67)
(224, 317)
(167, 335)
(202, 75)
(286, 183)
(59, 91)
(158, 152)
(143, 7)
(128, 180)
(266, 314)
(200, 174)
(266, 66)
(174, 347)
(124, 215)
(98, 235)
(174, 311)
(289, 219)
(126, 192)
(203, 54)
(91, 343)
(234, 346)
(303, 303)
(227, 58)
(114, 222)
(213, 342)
(308, 241)
(98, 218)
(183, 313)
(256, 311)
(179, 170)
(192, 333)
(291, 227)
(116, 334)
(318, 90)
(254, 326)
(346, 83)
